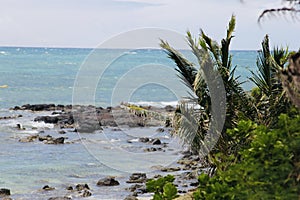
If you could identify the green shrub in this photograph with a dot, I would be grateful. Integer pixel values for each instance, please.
(163, 188)
(268, 167)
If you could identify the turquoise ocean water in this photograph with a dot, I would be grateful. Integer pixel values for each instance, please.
(48, 75)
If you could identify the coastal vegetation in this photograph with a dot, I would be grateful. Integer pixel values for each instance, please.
(257, 154)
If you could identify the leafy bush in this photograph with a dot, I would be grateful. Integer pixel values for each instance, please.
(268, 167)
(163, 188)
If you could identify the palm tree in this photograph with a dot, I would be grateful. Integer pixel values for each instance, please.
(271, 100)
(215, 72)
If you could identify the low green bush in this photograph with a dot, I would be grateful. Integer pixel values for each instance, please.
(163, 188)
(268, 167)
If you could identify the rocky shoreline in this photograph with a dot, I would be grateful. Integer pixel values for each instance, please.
(88, 119)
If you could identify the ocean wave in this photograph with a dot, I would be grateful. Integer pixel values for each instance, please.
(160, 104)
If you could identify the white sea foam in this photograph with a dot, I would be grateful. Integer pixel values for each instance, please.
(160, 104)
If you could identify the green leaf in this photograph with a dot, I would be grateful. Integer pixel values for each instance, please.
(170, 191)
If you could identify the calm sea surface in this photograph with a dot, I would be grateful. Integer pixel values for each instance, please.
(104, 77)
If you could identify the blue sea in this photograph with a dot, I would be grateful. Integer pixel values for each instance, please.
(102, 77)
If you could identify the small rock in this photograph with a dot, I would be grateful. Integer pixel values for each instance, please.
(62, 132)
(152, 149)
(59, 140)
(108, 181)
(137, 178)
(170, 169)
(60, 198)
(48, 188)
(20, 127)
(45, 138)
(161, 130)
(195, 184)
(69, 188)
(80, 187)
(156, 142)
(134, 187)
(86, 193)
(131, 198)
(144, 140)
(4, 192)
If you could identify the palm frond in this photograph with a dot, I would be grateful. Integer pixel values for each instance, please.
(226, 59)
(212, 46)
(280, 56)
(265, 78)
(185, 68)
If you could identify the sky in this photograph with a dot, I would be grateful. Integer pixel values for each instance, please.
(88, 23)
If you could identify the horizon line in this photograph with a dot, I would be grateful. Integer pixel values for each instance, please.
(91, 48)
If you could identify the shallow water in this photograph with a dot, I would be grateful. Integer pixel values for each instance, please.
(27, 167)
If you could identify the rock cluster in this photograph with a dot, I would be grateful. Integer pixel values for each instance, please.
(87, 119)
(45, 139)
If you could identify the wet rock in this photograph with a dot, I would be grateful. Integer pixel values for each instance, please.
(168, 123)
(134, 187)
(170, 169)
(80, 187)
(131, 198)
(86, 193)
(169, 108)
(30, 138)
(88, 127)
(59, 140)
(60, 198)
(152, 149)
(50, 140)
(160, 130)
(4, 192)
(108, 181)
(194, 184)
(144, 140)
(62, 132)
(48, 188)
(45, 138)
(137, 178)
(36, 107)
(20, 127)
(69, 188)
(156, 142)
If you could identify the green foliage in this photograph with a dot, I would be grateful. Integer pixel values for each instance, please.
(258, 153)
(266, 168)
(163, 188)
(215, 60)
(270, 101)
